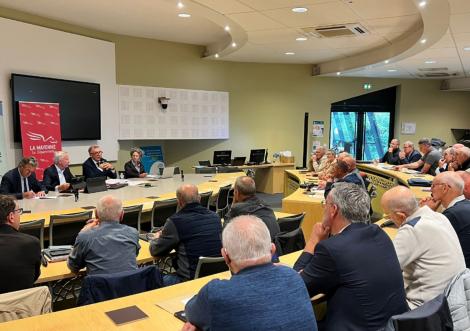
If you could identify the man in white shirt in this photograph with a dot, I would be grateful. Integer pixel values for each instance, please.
(318, 160)
(57, 177)
(426, 244)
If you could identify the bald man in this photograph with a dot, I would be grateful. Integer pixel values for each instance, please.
(426, 244)
(462, 156)
(447, 190)
(465, 175)
(194, 231)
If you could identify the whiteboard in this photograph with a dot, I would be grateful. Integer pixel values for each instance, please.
(191, 114)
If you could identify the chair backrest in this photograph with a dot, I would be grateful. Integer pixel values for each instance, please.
(433, 315)
(209, 265)
(290, 223)
(132, 216)
(162, 210)
(459, 301)
(205, 197)
(97, 288)
(63, 229)
(222, 197)
(25, 303)
(35, 229)
(288, 242)
(206, 170)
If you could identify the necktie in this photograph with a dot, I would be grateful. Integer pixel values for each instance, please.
(25, 185)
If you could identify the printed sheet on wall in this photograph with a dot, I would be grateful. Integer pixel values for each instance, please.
(189, 114)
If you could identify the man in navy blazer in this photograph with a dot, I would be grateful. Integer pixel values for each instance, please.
(96, 166)
(345, 171)
(58, 175)
(21, 181)
(353, 263)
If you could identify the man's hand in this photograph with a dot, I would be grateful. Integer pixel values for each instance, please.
(41, 194)
(441, 163)
(92, 223)
(321, 184)
(390, 150)
(319, 233)
(63, 187)
(430, 202)
(398, 167)
(143, 175)
(29, 195)
(188, 327)
(106, 166)
(401, 155)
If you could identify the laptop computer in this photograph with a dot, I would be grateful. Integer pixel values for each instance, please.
(97, 184)
(168, 172)
(238, 161)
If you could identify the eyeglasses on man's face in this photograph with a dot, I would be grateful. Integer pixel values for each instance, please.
(19, 211)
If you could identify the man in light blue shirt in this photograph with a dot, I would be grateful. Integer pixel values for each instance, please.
(105, 246)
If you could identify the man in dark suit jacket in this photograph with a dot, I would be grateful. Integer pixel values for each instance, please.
(20, 260)
(409, 154)
(21, 182)
(58, 175)
(134, 168)
(96, 166)
(356, 267)
(447, 190)
(391, 156)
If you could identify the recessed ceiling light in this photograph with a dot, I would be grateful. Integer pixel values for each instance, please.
(289, 53)
(180, 5)
(216, 55)
(184, 15)
(422, 4)
(392, 70)
(227, 28)
(301, 38)
(466, 49)
(387, 61)
(429, 61)
(423, 41)
(299, 9)
(338, 73)
(234, 44)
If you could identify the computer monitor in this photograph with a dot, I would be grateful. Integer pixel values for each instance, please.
(257, 156)
(222, 157)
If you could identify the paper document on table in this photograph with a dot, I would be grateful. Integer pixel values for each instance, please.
(46, 197)
(116, 181)
(174, 304)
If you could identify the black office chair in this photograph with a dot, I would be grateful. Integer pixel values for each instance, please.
(210, 265)
(225, 170)
(205, 197)
(433, 315)
(132, 216)
(63, 229)
(222, 201)
(162, 210)
(206, 170)
(289, 242)
(290, 223)
(35, 229)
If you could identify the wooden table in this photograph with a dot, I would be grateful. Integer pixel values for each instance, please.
(269, 178)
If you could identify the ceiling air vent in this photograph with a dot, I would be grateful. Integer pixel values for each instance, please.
(437, 74)
(433, 69)
(332, 31)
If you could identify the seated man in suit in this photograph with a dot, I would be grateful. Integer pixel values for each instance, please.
(58, 175)
(21, 182)
(96, 166)
(447, 191)
(391, 155)
(245, 202)
(353, 263)
(259, 295)
(409, 154)
(428, 162)
(20, 260)
(427, 246)
(192, 232)
(105, 246)
(134, 168)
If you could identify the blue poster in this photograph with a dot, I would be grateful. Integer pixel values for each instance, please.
(151, 155)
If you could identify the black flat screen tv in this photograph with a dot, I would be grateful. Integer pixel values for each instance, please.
(79, 104)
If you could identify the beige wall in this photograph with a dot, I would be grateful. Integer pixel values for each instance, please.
(267, 101)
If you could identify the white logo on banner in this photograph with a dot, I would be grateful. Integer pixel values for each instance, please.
(38, 136)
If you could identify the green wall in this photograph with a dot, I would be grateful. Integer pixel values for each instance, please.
(267, 101)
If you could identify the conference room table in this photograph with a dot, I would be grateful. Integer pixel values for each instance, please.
(297, 200)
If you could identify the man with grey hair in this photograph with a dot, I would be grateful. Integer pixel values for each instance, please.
(465, 175)
(409, 153)
(462, 157)
(318, 160)
(447, 190)
(104, 246)
(96, 165)
(391, 155)
(21, 182)
(245, 202)
(194, 231)
(428, 162)
(426, 244)
(57, 177)
(259, 295)
(353, 263)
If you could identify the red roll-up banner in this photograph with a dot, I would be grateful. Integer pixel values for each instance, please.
(40, 132)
